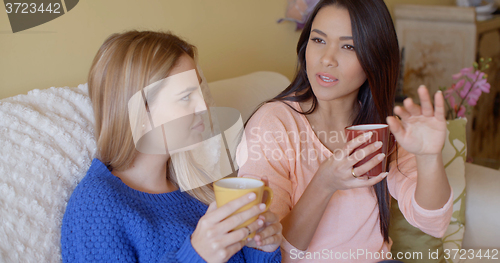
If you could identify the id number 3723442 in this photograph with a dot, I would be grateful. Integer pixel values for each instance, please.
(25, 8)
(471, 254)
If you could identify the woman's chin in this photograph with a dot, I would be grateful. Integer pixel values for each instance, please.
(189, 147)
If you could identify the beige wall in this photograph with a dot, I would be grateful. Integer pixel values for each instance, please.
(391, 3)
(234, 37)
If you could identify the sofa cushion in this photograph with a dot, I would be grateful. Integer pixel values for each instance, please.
(410, 241)
(483, 212)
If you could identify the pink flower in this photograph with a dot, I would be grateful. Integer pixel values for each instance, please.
(473, 97)
(448, 92)
(482, 83)
(464, 71)
(471, 83)
(451, 100)
(479, 87)
(465, 90)
(461, 112)
(459, 85)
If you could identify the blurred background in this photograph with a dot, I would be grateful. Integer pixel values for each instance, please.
(233, 38)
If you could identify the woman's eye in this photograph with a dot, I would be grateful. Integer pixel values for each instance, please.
(317, 40)
(186, 98)
(348, 47)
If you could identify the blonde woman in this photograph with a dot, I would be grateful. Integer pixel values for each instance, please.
(129, 207)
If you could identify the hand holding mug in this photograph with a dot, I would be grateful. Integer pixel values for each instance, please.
(380, 134)
(269, 237)
(337, 172)
(229, 189)
(214, 239)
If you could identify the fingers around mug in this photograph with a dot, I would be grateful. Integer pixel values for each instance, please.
(265, 179)
(212, 207)
(269, 197)
(274, 239)
(256, 225)
(361, 177)
(374, 180)
(360, 154)
(224, 211)
(233, 249)
(356, 142)
(267, 221)
(231, 239)
(226, 248)
(239, 218)
(269, 217)
(269, 231)
(370, 164)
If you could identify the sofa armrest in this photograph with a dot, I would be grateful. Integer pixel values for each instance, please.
(482, 224)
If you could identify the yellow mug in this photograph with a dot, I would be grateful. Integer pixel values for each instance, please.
(229, 189)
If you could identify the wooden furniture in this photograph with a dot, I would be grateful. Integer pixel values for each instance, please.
(438, 41)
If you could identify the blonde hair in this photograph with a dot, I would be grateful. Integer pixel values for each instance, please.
(124, 65)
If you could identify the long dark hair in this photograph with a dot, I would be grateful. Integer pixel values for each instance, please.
(377, 50)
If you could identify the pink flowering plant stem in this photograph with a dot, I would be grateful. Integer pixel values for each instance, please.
(470, 84)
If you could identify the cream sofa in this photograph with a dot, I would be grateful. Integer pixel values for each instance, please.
(47, 145)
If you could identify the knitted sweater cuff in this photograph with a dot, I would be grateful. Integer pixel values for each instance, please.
(186, 253)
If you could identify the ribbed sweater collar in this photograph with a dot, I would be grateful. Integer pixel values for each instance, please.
(97, 168)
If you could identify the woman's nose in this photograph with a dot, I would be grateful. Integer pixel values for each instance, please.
(329, 58)
(200, 104)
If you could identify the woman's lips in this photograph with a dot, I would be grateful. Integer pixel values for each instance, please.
(326, 80)
(200, 126)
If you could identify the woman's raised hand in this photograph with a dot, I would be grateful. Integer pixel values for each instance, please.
(213, 239)
(336, 172)
(422, 129)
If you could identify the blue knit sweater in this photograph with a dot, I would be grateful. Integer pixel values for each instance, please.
(107, 221)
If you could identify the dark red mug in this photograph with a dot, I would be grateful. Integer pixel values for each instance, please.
(380, 133)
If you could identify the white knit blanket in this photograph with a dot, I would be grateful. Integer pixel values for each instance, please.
(46, 147)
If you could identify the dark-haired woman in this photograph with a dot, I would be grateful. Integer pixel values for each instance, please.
(347, 73)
